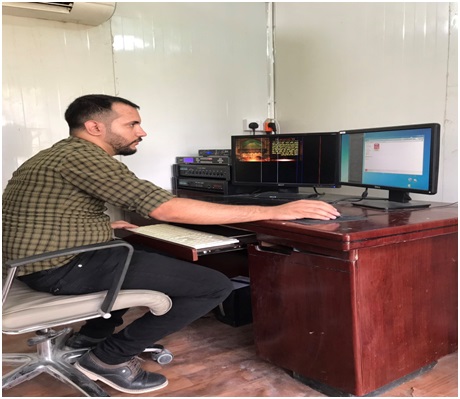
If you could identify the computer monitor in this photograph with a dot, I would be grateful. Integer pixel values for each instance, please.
(401, 159)
(285, 162)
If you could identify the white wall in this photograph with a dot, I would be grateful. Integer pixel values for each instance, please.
(358, 65)
(45, 65)
(195, 69)
(198, 69)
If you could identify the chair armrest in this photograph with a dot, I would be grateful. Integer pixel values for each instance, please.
(114, 289)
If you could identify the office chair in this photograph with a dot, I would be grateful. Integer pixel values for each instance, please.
(26, 310)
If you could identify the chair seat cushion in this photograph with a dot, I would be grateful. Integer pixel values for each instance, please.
(28, 310)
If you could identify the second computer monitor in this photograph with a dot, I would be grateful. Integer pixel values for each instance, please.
(400, 159)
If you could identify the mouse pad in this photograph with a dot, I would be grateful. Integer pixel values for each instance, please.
(343, 218)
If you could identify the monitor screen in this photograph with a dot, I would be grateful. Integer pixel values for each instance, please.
(400, 159)
(286, 160)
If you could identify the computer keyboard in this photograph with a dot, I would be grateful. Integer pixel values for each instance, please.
(184, 236)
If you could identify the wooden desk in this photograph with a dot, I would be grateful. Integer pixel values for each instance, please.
(351, 307)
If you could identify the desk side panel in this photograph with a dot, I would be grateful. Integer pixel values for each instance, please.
(407, 299)
(303, 314)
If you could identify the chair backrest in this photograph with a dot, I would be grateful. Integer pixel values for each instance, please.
(26, 310)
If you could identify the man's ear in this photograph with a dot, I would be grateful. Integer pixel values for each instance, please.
(94, 128)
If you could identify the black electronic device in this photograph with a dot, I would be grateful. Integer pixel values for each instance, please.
(206, 153)
(208, 171)
(236, 310)
(213, 159)
(286, 161)
(208, 185)
(401, 159)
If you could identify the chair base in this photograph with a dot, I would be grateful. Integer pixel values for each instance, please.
(53, 358)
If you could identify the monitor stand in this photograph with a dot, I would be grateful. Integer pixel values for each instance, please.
(396, 200)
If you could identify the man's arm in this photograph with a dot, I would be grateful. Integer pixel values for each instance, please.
(122, 224)
(185, 210)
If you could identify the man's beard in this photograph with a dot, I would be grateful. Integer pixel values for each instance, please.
(127, 150)
(119, 146)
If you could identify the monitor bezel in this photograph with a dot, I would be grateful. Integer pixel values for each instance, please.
(287, 186)
(435, 129)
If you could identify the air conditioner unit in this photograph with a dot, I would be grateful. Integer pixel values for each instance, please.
(87, 13)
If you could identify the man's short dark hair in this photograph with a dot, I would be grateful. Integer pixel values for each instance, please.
(87, 107)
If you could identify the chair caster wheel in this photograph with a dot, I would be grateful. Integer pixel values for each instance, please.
(160, 354)
(164, 357)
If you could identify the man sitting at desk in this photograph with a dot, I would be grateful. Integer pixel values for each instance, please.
(57, 199)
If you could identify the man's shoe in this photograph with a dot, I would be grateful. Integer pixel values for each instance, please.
(80, 341)
(126, 377)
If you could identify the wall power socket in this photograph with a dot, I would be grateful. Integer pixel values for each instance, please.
(246, 123)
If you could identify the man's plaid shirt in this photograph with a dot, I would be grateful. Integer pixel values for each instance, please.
(57, 199)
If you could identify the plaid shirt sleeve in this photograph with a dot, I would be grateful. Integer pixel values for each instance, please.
(102, 176)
